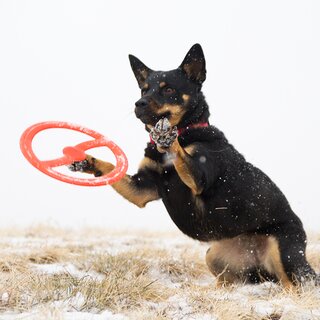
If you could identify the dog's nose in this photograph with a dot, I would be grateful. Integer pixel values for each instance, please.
(141, 103)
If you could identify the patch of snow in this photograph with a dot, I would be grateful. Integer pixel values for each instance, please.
(106, 315)
(73, 315)
(5, 297)
(264, 308)
(257, 289)
(17, 316)
(205, 280)
(180, 308)
(300, 314)
(313, 247)
(57, 268)
(203, 317)
(77, 302)
(163, 278)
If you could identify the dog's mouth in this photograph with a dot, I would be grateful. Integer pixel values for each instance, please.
(150, 118)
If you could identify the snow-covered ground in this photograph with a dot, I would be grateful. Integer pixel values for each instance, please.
(49, 273)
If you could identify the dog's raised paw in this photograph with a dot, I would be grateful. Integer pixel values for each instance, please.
(163, 134)
(82, 166)
(86, 166)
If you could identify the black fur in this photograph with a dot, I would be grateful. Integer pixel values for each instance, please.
(237, 197)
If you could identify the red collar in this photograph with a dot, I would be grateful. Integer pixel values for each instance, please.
(191, 126)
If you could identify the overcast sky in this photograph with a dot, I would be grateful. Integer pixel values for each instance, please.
(68, 61)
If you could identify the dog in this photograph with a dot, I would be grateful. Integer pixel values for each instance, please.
(210, 191)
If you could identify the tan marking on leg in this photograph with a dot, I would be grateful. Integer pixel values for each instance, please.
(242, 251)
(220, 269)
(273, 264)
(190, 150)
(125, 186)
(103, 166)
(182, 167)
(252, 251)
(199, 204)
(150, 164)
(184, 172)
(132, 194)
(228, 259)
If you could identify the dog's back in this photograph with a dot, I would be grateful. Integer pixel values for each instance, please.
(210, 191)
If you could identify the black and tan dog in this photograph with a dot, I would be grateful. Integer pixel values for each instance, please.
(211, 193)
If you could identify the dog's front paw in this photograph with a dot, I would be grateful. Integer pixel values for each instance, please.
(163, 134)
(82, 166)
(86, 166)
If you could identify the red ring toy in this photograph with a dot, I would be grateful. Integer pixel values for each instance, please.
(71, 154)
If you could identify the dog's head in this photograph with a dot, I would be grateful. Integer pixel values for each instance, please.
(172, 94)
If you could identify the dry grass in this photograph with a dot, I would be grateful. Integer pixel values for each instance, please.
(141, 276)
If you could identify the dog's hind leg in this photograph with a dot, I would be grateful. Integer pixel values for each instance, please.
(238, 259)
(224, 272)
(292, 266)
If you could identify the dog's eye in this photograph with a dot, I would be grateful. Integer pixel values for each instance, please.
(144, 92)
(168, 90)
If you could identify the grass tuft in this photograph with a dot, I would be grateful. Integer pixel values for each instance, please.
(140, 276)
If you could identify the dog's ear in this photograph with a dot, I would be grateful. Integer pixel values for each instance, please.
(140, 70)
(194, 64)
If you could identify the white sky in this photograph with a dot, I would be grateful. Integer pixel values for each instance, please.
(67, 61)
